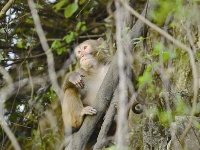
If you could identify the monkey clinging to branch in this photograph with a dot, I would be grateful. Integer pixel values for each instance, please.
(81, 86)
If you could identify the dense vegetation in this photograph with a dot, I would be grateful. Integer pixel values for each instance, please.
(29, 100)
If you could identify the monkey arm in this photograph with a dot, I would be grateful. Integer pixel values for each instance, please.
(67, 83)
(74, 80)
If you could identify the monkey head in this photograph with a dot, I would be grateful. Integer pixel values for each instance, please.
(84, 53)
(91, 53)
(88, 61)
(82, 50)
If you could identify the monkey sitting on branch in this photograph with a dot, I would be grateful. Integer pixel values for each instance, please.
(81, 86)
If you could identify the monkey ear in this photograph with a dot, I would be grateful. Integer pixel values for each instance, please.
(100, 39)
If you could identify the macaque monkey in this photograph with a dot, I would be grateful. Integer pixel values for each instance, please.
(81, 86)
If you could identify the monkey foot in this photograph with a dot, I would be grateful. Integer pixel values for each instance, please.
(88, 111)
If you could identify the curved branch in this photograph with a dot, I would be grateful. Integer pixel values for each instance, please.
(5, 8)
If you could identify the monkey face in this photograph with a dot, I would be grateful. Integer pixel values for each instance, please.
(88, 61)
(82, 50)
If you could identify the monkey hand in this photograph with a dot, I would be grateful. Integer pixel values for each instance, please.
(76, 79)
(88, 110)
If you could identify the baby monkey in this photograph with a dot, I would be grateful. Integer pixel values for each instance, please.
(81, 86)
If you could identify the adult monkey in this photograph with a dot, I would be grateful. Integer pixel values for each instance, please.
(81, 86)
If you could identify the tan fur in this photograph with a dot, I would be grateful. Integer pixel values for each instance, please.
(94, 61)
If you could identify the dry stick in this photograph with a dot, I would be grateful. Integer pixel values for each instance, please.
(5, 8)
(123, 43)
(184, 47)
(45, 46)
(4, 94)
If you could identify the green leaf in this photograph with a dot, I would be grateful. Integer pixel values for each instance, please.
(78, 26)
(138, 40)
(60, 4)
(34, 132)
(165, 7)
(68, 38)
(2, 40)
(158, 48)
(19, 44)
(163, 117)
(70, 10)
(81, 2)
(58, 47)
(165, 56)
(197, 126)
(146, 77)
(83, 28)
(55, 44)
(38, 6)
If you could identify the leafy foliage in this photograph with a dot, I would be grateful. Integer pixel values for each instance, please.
(33, 107)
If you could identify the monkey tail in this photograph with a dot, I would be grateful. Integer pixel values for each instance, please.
(137, 107)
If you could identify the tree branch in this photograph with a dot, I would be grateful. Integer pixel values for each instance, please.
(4, 94)
(5, 8)
(45, 46)
(109, 117)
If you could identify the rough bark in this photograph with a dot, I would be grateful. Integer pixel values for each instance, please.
(191, 141)
(154, 135)
(109, 117)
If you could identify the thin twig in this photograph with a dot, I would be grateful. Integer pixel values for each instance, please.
(45, 46)
(4, 94)
(5, 8)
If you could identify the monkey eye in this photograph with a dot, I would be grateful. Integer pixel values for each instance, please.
(84, 47)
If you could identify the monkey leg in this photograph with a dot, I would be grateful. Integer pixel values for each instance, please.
(71, 109)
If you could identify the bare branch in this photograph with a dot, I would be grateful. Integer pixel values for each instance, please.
(5, 8)
(124, 44)
(45, 46)
(4, 94)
